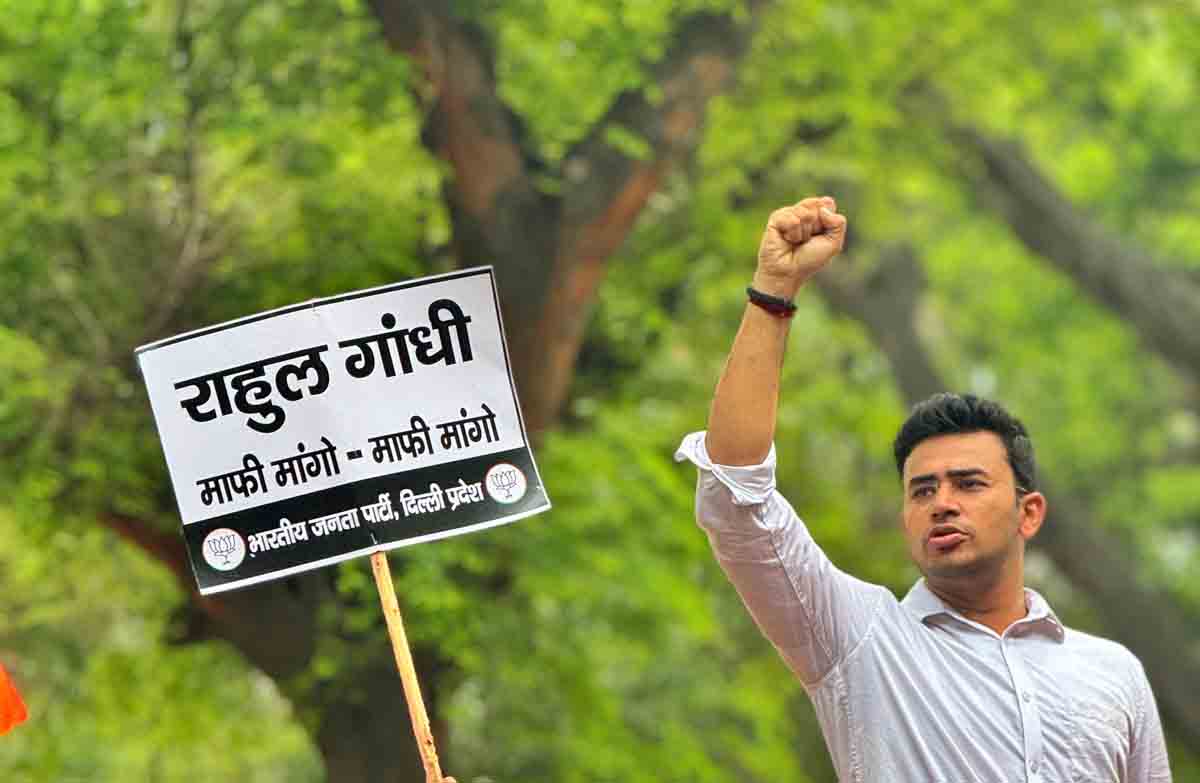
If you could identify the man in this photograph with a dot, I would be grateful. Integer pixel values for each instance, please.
(971, 678)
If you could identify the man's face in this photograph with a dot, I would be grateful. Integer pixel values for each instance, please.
(962, 514)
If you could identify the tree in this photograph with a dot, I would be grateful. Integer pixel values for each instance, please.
(549, 242)
(166, 165)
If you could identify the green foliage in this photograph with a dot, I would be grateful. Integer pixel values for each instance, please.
(600, 641)
(578, 53)
(639, 642)
(107, 700)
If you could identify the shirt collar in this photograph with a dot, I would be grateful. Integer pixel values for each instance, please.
(922, 602)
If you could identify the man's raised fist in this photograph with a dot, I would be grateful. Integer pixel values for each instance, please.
(799, 240)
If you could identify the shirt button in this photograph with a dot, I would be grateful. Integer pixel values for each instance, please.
(1033, 767)
(1027, 697)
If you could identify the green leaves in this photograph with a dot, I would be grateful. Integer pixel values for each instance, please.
(163, 169)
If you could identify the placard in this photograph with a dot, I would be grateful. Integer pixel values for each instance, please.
(343, 426)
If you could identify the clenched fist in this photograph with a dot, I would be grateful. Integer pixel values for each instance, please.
(798, 242)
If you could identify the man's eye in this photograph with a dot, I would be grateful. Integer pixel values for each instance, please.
(971, 483)
(922, 492)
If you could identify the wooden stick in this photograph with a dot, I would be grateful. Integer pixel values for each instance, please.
(408, 674)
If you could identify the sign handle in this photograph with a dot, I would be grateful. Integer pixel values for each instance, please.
(408, 674)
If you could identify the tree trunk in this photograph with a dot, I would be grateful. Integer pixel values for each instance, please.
(551, 252)
(365, 734)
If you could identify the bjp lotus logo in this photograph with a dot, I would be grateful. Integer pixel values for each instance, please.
(224, 549)
(505, 483)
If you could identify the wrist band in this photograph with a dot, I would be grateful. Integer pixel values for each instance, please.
(775, 305)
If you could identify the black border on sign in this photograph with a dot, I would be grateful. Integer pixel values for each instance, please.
(314, 565)
(367, 537)
(487, 270)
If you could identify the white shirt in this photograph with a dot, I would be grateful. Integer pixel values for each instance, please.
(911, 691)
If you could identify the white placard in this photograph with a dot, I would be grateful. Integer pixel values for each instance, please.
(274, 422)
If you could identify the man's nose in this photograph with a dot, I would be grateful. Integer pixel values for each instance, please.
(944, 502)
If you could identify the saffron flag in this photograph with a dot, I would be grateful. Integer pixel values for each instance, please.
(12, 708)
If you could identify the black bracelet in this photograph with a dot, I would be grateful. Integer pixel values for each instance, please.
(775, 305)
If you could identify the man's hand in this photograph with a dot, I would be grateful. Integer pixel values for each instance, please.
(798, 242)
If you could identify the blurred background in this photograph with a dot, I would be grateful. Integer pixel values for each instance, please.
(1021, 183)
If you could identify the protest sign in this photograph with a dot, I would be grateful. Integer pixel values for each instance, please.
(340, 427)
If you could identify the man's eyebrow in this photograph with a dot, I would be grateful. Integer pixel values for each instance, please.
(926, 478)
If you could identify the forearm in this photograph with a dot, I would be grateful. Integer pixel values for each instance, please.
(798, 241)
(741, 422)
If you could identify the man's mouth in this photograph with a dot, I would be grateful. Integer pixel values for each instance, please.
(945, 537)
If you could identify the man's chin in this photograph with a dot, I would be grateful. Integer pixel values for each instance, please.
(953, 566)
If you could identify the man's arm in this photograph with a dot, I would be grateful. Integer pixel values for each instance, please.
(813, 612)
(799, 240)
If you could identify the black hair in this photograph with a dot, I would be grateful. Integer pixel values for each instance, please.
(949, 414)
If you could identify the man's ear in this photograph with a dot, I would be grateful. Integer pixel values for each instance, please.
(1032, 510)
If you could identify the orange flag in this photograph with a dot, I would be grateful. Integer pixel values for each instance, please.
(12, 708)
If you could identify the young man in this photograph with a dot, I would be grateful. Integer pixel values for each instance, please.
(971, 678)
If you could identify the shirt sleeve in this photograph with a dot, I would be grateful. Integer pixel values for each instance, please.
(814, 613)
(1148, 755)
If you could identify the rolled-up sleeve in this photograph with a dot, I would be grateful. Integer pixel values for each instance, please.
(814, 613)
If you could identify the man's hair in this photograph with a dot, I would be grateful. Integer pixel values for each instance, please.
(951, 414)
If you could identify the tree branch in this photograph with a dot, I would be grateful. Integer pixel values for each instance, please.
(542, 246)
(499, 216)
(1161, 303)
(467, 125)
(609, 186)
(805, 134)
(166, 549)
(698, 66)
(888, 296)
